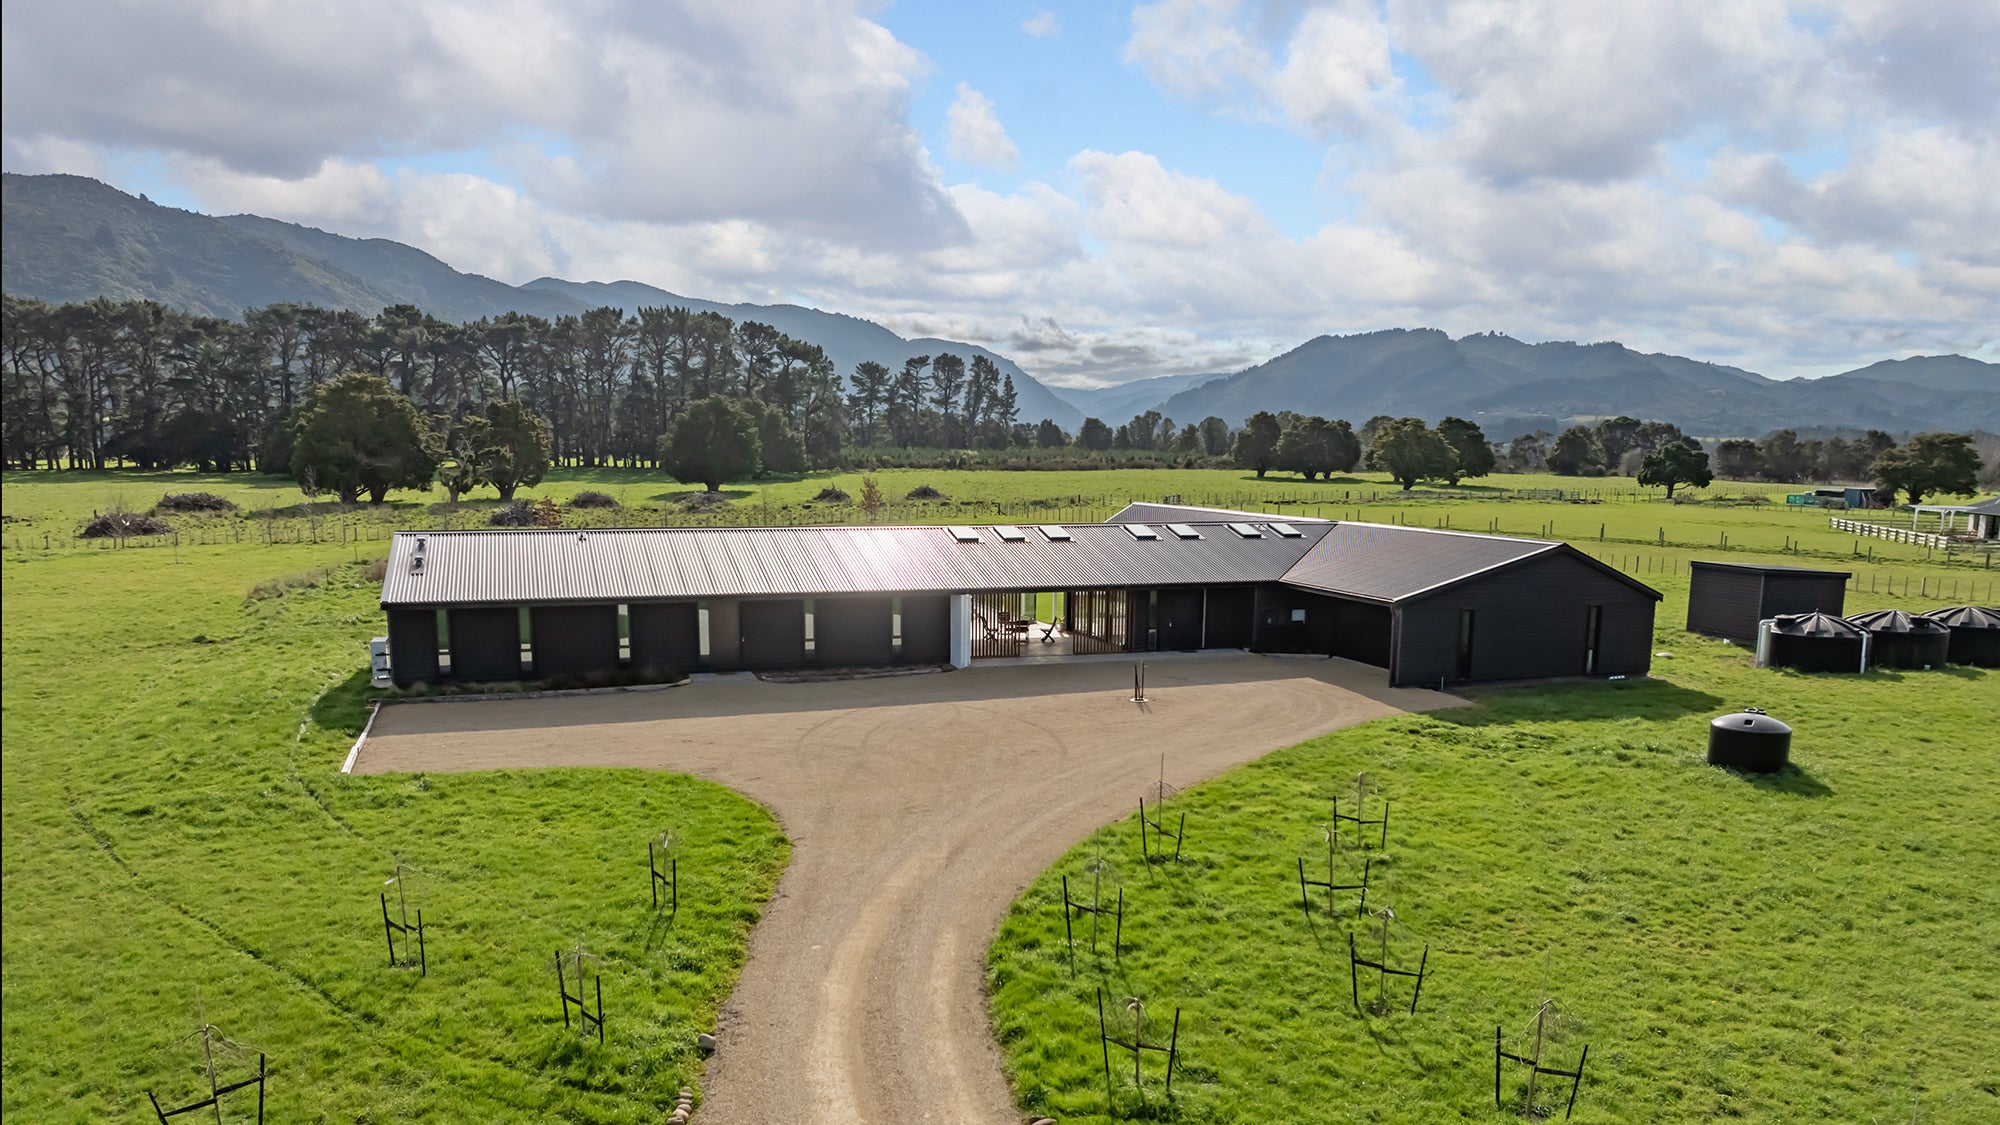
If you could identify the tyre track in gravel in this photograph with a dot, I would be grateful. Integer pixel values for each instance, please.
(918, 807)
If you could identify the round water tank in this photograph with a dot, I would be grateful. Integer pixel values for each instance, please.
(1975, 634)
(1815, 642)
(1750, 741)
(1903, 640)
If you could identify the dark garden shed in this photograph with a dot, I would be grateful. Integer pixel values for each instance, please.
(1728, 599)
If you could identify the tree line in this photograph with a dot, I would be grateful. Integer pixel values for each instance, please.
(97, 383)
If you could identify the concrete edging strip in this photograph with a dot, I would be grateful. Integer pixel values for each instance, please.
(348, 765)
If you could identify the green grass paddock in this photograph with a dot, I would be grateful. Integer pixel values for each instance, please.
(1822, 945)
(174, 821)
(176, 827)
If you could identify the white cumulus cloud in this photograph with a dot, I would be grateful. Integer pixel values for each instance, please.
(974, 133)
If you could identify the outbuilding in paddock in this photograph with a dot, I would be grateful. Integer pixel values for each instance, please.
(1727, 599)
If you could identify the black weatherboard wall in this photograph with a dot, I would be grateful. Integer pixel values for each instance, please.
(1529, 621)
(1729, 599)
(485, 643)
(574, 640)
(852, 631)
(413, 646)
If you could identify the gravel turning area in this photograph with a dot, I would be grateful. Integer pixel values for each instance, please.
(918, 808)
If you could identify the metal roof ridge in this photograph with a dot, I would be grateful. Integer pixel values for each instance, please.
(1455, 531)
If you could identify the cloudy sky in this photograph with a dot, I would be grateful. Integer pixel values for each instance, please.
(1102, 191)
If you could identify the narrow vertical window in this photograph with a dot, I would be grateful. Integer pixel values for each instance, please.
(1592, 629)
(1464, 644)
(701, 611)
(525, 624)
(624, 633)
(812, 643)
(444, 643)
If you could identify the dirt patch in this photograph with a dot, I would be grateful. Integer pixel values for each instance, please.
(918, 808)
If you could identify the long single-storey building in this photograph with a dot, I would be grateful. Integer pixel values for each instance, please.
(1430, 607)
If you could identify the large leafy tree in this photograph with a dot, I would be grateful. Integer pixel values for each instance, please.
(1256, 446)
(513, 449)
(1576, 453)
(1679, 462)
(1468, 442)
(1410, 451)
(779, 449)
(715, 441)
(1313, 446)
(1929, 463)
(1094, 435)
(1615, 436)
(1737, 459)
(358, 434)
(1214, 436)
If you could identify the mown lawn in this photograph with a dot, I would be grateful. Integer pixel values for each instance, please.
(178, 839)
(1823, 945)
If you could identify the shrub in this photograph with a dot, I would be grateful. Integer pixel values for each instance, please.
(194, 502)
(832, 495)
(704, 501)
(925, 492)
(520, 513)
(591, 498)
(118, 525)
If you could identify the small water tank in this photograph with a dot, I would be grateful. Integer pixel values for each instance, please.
(1975, 634)
(1750, 741)
(1904, 640)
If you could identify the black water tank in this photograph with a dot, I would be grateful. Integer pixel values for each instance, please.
(1901, 640)
(1749, 740)
(1975, 634)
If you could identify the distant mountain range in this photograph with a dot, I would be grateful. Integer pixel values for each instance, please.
(1511, 387)
(68, 238)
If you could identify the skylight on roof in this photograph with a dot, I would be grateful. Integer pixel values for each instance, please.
(1140, 531)
(1055, 533)
(1287, 531)
(1183, 531)
(1009, 533)
(1246, 530)
(964, 534)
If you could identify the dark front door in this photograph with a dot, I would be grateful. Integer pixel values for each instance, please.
(1179, 621)
(1229, 617)
(852, 631)
(774, 634)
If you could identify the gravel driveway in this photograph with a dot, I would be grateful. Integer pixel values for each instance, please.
(918, 807)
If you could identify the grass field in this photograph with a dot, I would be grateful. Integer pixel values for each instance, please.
(176, 827)
(175, 822)
(1821, 946)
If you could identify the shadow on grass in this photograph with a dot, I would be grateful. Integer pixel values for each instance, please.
(344, 706)
(1793, 779)
(1580, 702)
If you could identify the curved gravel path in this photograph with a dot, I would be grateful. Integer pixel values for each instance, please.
(918, 807)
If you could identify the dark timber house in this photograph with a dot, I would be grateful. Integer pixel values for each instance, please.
(1729, 599)
(1430, 607)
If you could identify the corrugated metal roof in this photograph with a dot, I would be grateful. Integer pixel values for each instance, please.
(1770, 568)
(1385, 563)
(638, 564)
